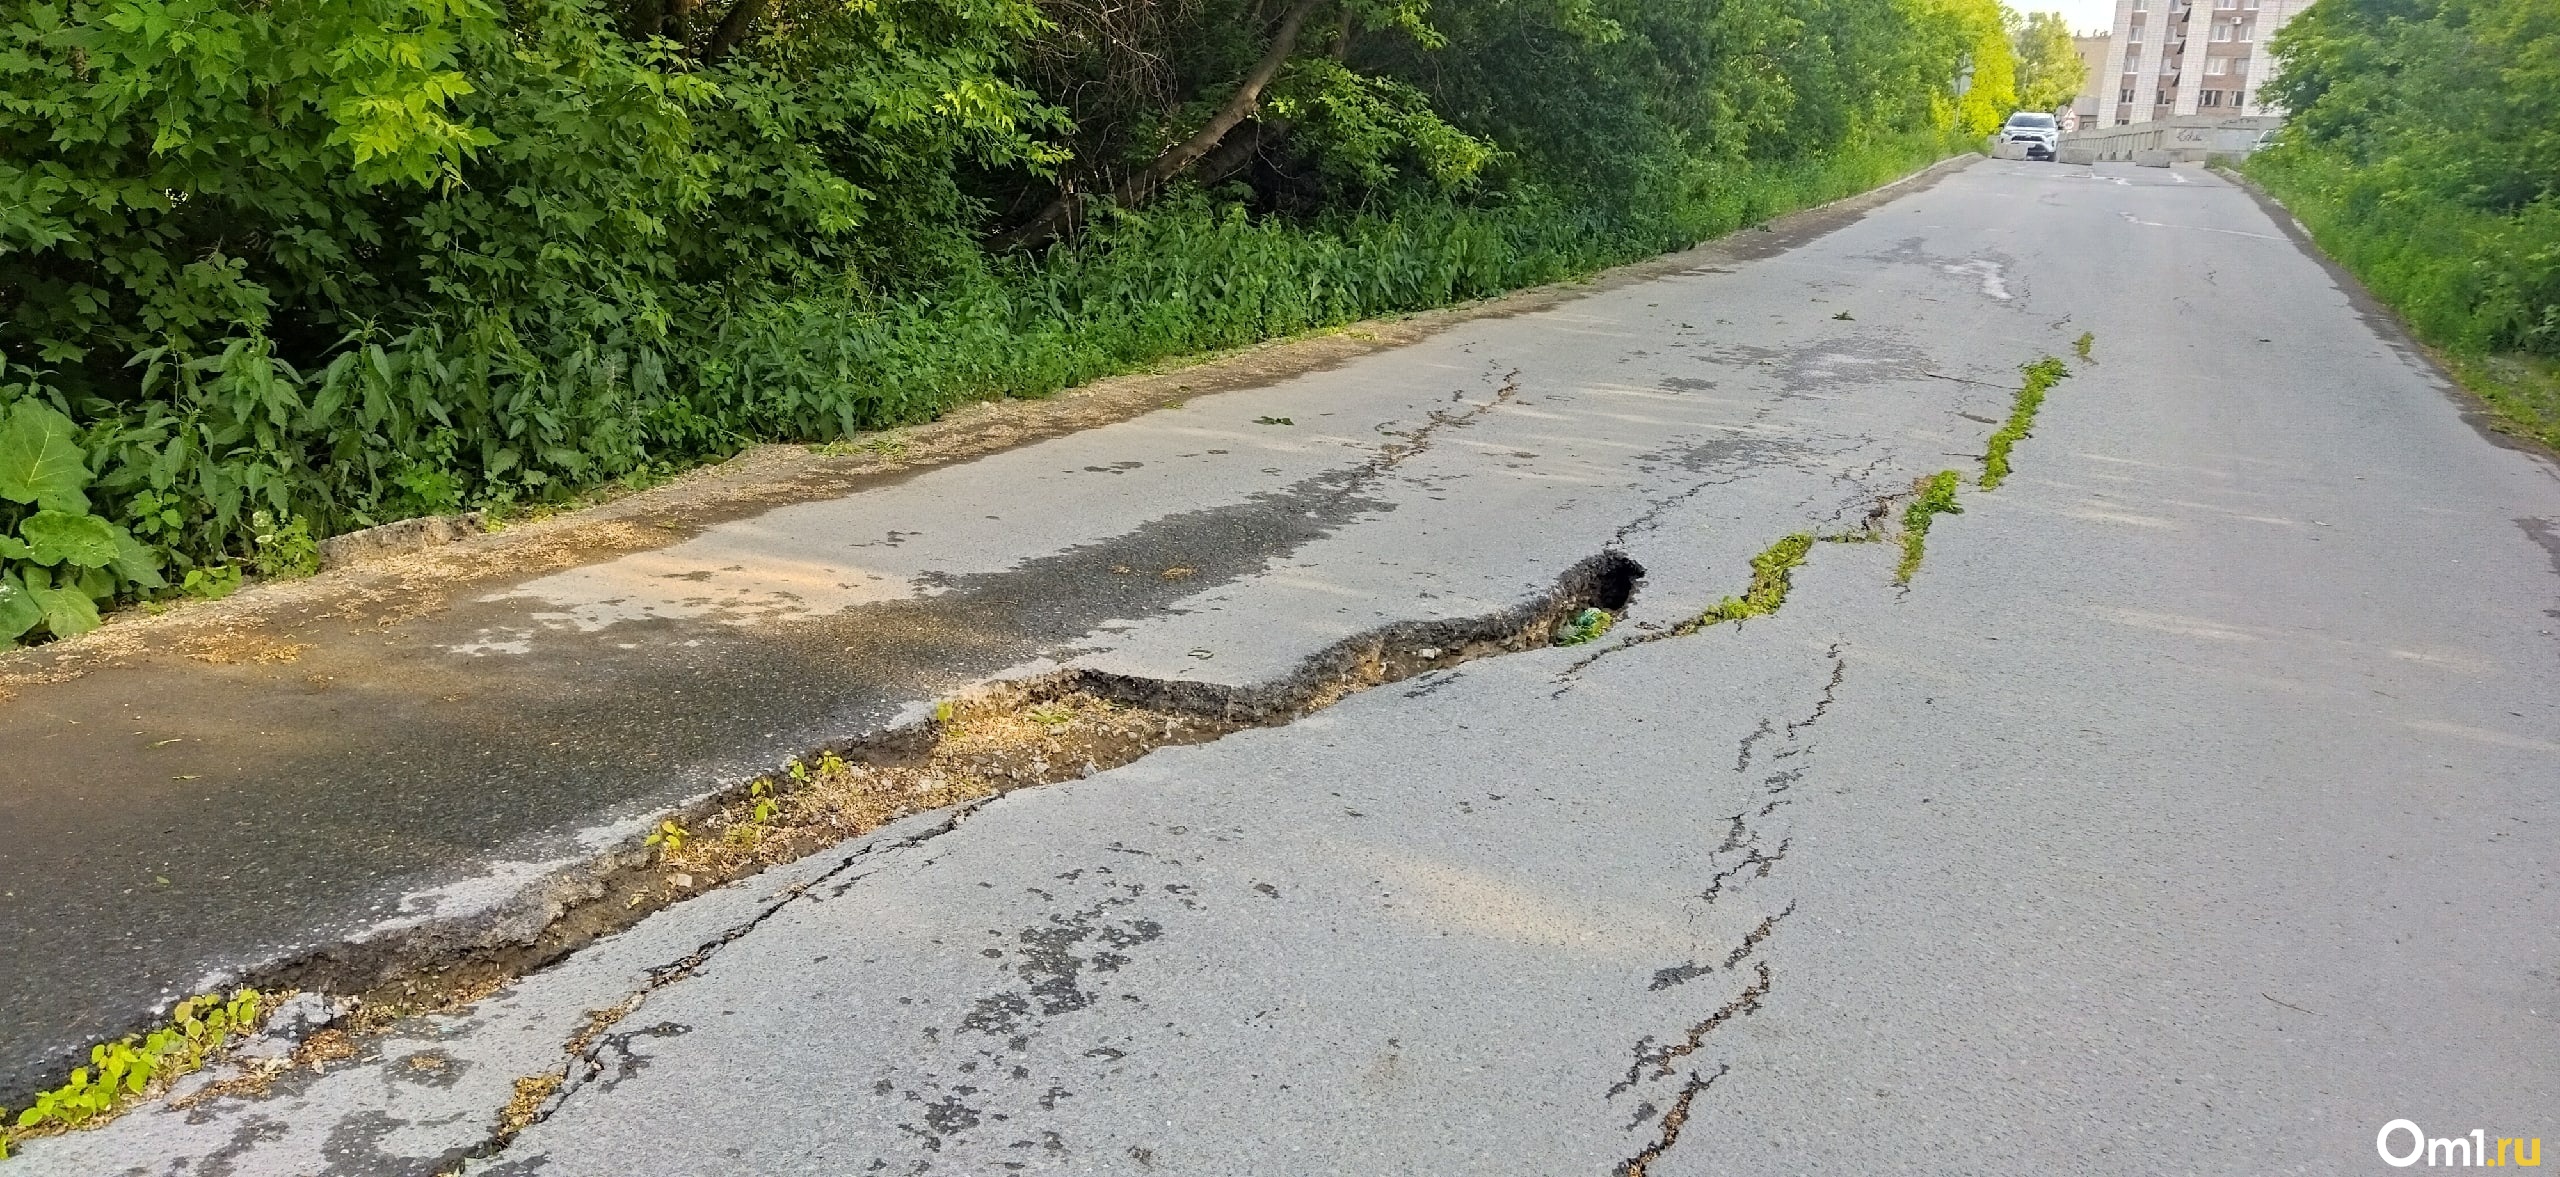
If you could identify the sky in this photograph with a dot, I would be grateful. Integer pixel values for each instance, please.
(2086, 16)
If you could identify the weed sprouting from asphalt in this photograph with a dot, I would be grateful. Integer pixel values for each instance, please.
(1769, 581)
(2081, 346)
(125, 1069)
(2041, 375)
(1585, 626)
(1937, 496)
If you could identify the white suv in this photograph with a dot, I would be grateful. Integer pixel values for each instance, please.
(2033, 131)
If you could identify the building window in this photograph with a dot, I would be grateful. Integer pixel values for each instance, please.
(2217, 65)
(2126, 97)
(2238, 97)
(2222, 31)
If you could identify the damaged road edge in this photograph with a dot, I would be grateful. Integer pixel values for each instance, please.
(444, 963)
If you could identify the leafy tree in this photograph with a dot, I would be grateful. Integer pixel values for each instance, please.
(2049, 70)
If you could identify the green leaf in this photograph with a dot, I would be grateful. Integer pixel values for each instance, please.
(135, 562)
(40, 460)
(67, 611)
(60, 537)
(18, 609)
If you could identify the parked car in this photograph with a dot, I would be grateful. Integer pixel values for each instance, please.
(2034, 132)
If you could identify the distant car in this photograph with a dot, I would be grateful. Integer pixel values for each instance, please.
(2034, 132)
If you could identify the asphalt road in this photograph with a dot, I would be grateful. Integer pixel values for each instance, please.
(2192, 809)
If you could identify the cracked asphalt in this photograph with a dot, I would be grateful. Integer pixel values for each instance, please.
(2191, 811)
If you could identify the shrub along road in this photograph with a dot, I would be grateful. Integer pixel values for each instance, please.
(2180, 812)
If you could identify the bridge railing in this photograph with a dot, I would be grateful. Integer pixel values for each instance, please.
(2185, 139)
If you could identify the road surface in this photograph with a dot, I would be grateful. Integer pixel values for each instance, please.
(2190, 810)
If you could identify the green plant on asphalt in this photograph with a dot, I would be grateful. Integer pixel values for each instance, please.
(1771, 571)
(2041, 376)
(762, 808)
(1583, 627)
(2081, 346)
(1937, 496)
(669, 838)
(126, 1068)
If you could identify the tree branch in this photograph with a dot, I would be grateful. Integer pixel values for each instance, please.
(733, 28)
(1239, 149)
(1248, 97)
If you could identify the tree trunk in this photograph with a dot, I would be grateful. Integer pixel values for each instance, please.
(1239, 149)
(742, 16)
(1248, 97)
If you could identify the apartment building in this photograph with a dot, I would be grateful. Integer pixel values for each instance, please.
(2168, 58)
(2092, 50)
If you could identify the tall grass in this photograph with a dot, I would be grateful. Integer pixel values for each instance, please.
(2481, 285)
(2465, 278)
(1190, 277)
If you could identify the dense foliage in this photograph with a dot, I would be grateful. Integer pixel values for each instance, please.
(2049, 69)
(2424, 153)
(271, 269)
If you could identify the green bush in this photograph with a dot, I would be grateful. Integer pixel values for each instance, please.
(2424, 154)
(272, 272)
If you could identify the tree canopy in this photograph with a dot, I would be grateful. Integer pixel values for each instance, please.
(2049, 67)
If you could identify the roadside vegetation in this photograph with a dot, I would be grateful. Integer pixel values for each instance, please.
(273, 272)
(2424, 155)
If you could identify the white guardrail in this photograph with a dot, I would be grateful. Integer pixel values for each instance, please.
(2185, 139)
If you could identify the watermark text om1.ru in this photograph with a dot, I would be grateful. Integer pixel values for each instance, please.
(2402, 1144)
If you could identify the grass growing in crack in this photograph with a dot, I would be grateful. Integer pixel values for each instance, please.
(137, 1064)
(1584, 627)
(1937, 496)
(1769, 581)
(2041, 375)
(981, 748)
(2081, 346)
